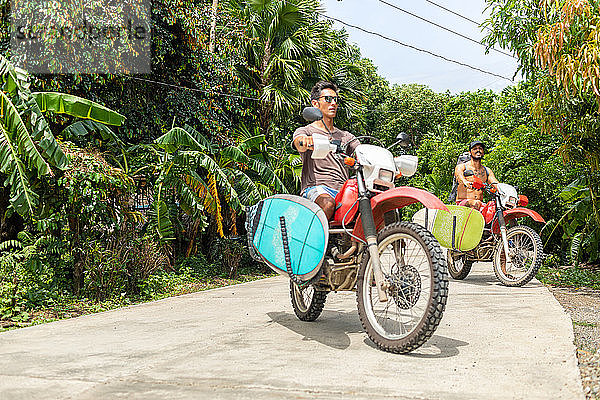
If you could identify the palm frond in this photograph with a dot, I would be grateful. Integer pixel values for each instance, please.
(179, 137)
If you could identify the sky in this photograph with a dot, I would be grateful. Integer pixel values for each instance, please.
(399, 64)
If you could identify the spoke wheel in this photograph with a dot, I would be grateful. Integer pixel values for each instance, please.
(307, 301)
(525, 252)
(458, 265)
(417, 288)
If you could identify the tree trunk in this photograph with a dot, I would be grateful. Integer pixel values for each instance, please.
(78, 256)
(266, 107)
(213, 26)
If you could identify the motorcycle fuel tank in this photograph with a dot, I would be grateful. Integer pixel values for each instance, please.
(346, 203)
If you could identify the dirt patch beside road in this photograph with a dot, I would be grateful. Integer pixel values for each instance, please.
(583, 305)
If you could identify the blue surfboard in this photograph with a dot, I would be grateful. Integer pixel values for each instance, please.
(307, 232)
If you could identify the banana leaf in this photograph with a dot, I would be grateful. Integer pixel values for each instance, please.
(22, 198)
(62, 103)
(178, 137)
(81, 129)
(160, 221)
(15, 83)
(16, 133)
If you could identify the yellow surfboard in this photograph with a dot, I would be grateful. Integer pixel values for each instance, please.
(466, 223)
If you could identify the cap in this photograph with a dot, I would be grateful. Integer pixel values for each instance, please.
(475, 143)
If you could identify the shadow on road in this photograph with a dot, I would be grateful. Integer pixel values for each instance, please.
(333, 328)
(436, 347)
(439, 347)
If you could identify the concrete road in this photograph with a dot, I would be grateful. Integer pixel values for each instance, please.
(244, 342)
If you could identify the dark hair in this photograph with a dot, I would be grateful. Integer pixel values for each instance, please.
(315, 92)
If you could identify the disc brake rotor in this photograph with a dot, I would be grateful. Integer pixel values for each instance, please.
(405, 286)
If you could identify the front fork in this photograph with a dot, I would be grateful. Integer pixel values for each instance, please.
(502, 225)
(370, 230)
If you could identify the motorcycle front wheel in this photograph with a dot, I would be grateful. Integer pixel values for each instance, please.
(416, 277)
(525, 251)
(458, 265)
(307, 302)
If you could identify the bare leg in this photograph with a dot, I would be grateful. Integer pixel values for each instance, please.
(327, 203)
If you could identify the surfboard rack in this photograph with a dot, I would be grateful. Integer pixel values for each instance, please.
(286, 252)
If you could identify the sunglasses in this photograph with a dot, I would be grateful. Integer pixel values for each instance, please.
(331, 99)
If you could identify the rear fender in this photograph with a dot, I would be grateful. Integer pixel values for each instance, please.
(518, 212)
(394, 199)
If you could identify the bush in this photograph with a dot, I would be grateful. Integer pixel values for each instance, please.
(231, 256)
(119, 267)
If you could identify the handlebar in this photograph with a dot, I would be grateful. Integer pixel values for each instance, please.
(479, 185)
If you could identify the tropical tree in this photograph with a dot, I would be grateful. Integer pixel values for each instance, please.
(286, 50)
(556, 42)
(415, 109)
(207, 181)
(28, 148)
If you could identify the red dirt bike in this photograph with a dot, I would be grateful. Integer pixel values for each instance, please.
(502, 238)
(396, 267)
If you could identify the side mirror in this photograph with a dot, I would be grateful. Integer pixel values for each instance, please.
(403, 139)
(312, 114)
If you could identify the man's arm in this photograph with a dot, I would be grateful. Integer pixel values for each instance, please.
(307, 143)
(491, 178)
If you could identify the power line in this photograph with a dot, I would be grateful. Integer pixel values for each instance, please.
(254, 98)
(443, 27)
(457, 14)
(415, 48)
(223, 94)
(210, 92)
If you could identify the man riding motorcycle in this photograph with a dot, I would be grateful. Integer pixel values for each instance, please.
(467, 195)
(323, 178)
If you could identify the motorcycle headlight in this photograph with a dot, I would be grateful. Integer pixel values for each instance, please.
(512, 202)
(386, 175)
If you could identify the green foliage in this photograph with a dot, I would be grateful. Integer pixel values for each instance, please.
(414, 109)
(513, 25)
(472, 115)
(527, 159)
(61, 103)
(569, 277)
(579, 224)
(437, 159)
(286, 49)
(118, 268)
(230, 256)
(27, 276)
(557, 45)
(209, 180)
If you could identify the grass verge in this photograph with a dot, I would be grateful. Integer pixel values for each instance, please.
(568, 276)
(156, 288)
